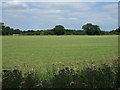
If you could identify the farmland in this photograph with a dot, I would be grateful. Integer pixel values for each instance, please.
(43, 51)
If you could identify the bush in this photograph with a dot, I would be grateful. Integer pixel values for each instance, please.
(12, 79)
(117, 64)
(31, 80)
(103, 76)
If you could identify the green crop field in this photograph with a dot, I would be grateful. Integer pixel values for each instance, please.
(43, 51)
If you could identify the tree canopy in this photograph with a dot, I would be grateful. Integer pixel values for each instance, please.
(59, 30)
(91, 29)
(88, 29)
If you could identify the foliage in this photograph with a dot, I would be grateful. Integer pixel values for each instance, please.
(103, 76)
(59, 30)
(12, 79)
(115, 32)
(91, 29)
(117, 70)
(6, 30)
(88, 29)
(31, 79)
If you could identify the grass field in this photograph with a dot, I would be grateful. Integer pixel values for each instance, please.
(43, 51)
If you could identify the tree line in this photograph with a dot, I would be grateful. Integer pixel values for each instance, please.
(88, 29)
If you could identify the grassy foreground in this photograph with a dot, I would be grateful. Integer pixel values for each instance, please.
(43, 51)
(60, 62)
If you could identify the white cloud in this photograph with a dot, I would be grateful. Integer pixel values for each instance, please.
(51, 11)
(53, 14)
(65, 5)
(110, 6)
(14, 5)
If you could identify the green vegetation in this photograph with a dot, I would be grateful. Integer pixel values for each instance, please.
(91, 29)
(74, 60)
(0, 62)
(59, 30)
(102, 76)
(43, 51)
(88, 29)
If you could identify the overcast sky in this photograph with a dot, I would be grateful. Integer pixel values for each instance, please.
(72, 15)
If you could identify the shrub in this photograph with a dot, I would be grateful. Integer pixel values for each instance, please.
(103, 76)
(31, 80)
(117, 69)
(11, 79)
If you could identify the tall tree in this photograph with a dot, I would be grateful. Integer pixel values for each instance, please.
(59, 30)
(91, 29)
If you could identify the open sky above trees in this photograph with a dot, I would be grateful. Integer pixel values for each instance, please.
(72, 15)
